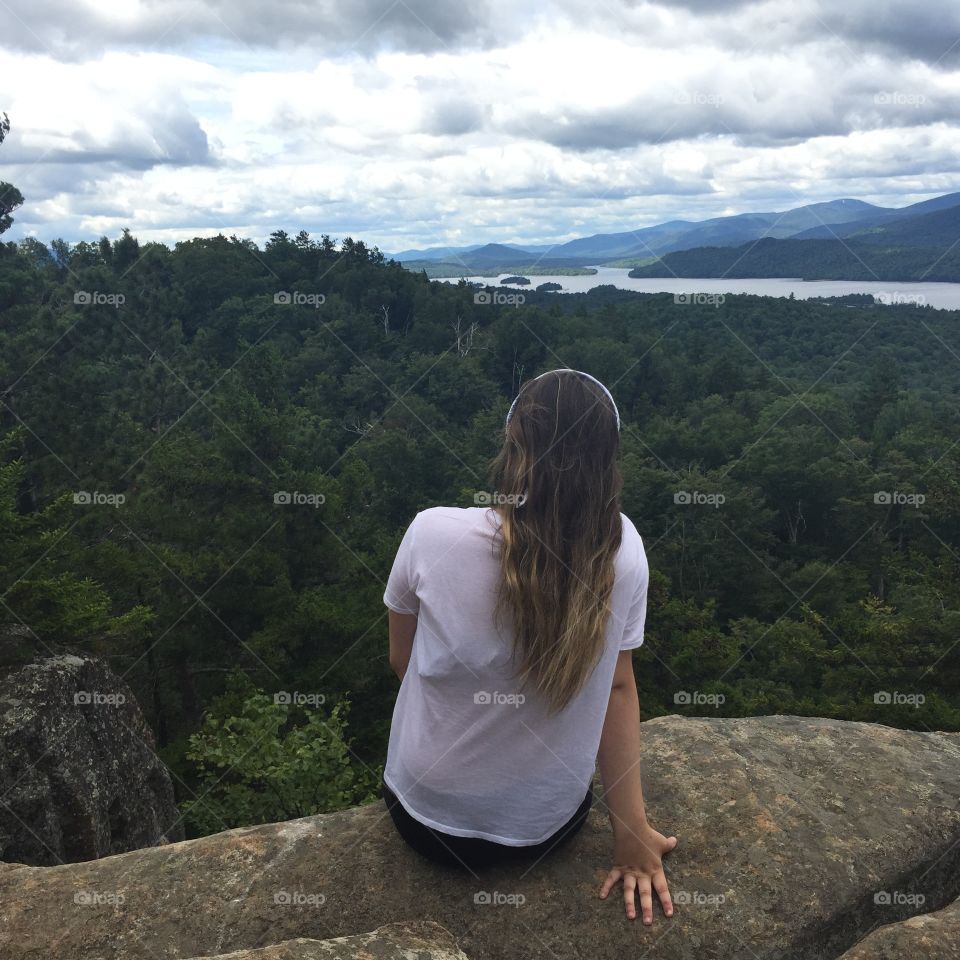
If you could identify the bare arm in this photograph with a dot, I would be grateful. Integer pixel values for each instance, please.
(637, 847)
(402, 627)
(619, 754)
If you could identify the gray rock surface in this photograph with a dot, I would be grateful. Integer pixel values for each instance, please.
(396, 941)
(789, 828)
(79, 777)
(929, 936)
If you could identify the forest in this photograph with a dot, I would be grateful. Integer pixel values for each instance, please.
(209, 453)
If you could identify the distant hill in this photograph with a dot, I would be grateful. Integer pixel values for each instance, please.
(933, 223)
(882, 217)
(438, 269)
(814, 214)
(607, 246)
(732, 231)
(432, 253)
(940, 228)
(496, 253)
(811, 260)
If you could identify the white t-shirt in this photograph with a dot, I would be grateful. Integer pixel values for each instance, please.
(467, 756)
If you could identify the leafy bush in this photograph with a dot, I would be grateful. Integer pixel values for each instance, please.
(272, 761)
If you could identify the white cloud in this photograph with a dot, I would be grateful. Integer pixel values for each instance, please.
(512, 122)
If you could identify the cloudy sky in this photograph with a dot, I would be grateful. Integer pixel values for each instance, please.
(425, 122)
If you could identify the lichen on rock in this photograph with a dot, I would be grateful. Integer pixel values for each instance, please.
(79, 775)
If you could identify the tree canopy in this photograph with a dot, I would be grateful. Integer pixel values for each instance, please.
(208, 455)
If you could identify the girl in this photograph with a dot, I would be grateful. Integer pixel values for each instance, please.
(511, 628)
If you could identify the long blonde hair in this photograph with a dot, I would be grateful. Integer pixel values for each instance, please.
(558, 484)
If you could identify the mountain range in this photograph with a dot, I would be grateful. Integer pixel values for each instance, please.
(815, 241)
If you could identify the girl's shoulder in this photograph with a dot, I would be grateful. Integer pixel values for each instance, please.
(630, 531)
(631, 544)
(441, 521)
(443, 515)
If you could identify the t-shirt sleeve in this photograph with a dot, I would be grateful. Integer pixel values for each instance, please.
(637, 613)
(401, 592)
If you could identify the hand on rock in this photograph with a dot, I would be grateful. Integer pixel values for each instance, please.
(637, 857)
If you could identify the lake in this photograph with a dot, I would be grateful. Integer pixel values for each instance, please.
(943, 296)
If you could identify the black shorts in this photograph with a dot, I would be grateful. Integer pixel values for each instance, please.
(469, 853)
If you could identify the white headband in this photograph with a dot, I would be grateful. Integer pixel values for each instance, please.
(569, 370)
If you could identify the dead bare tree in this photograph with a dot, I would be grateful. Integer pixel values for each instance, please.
(464, 337)
(360, 429)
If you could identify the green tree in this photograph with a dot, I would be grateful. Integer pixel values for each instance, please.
(272, 761)
(45, 597)
(10, 196)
